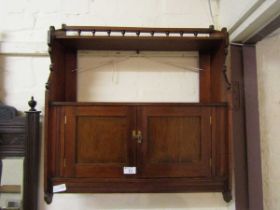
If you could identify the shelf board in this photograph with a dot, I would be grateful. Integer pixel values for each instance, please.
(138, 38)
(140, 43)
(140, 29)
(63, 103)
(103, 185)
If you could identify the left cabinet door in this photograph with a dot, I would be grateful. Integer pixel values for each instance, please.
(97, 141)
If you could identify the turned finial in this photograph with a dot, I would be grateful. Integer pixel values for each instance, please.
(32, 103)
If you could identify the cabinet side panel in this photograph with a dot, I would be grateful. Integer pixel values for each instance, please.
(46, 143)
(69, 141)
(204, 77)
(219, 136)
(56, 82)
(218, 84)
(70, 75)
(51, 146)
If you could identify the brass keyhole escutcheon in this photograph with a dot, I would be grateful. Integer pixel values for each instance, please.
(137, 134)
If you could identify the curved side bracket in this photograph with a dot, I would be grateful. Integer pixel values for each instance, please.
(228, 83)
(227, 196)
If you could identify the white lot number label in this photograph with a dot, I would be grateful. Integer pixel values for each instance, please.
(59, 188)
(129, 170)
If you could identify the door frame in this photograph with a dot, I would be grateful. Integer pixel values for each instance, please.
(245, 121)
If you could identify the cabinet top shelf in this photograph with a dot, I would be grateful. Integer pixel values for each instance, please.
(63, 103)
(134, 38)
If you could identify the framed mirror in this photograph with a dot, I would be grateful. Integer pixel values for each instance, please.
(19, 158)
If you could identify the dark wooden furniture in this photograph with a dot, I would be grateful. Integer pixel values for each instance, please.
(19, 137)
(168, 147)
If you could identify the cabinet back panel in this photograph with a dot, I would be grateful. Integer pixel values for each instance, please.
(115, 76)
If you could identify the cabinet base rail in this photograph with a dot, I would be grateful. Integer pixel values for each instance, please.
(88, 185)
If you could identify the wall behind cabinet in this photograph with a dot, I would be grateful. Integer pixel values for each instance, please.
(153, 77)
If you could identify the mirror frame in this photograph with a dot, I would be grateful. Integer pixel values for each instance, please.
(20, 137)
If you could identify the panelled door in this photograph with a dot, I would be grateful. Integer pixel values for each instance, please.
(156, 141)
(98, 141)
(176, 141)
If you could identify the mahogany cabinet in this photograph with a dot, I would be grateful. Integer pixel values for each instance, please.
(137, 147)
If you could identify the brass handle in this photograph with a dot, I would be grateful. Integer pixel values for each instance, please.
(137, 135)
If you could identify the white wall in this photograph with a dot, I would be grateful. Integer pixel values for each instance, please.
(24, 71)
(268, 62)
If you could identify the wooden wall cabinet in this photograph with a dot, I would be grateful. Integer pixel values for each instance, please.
(137, 147)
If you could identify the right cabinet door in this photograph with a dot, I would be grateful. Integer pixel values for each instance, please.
(176, 141)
